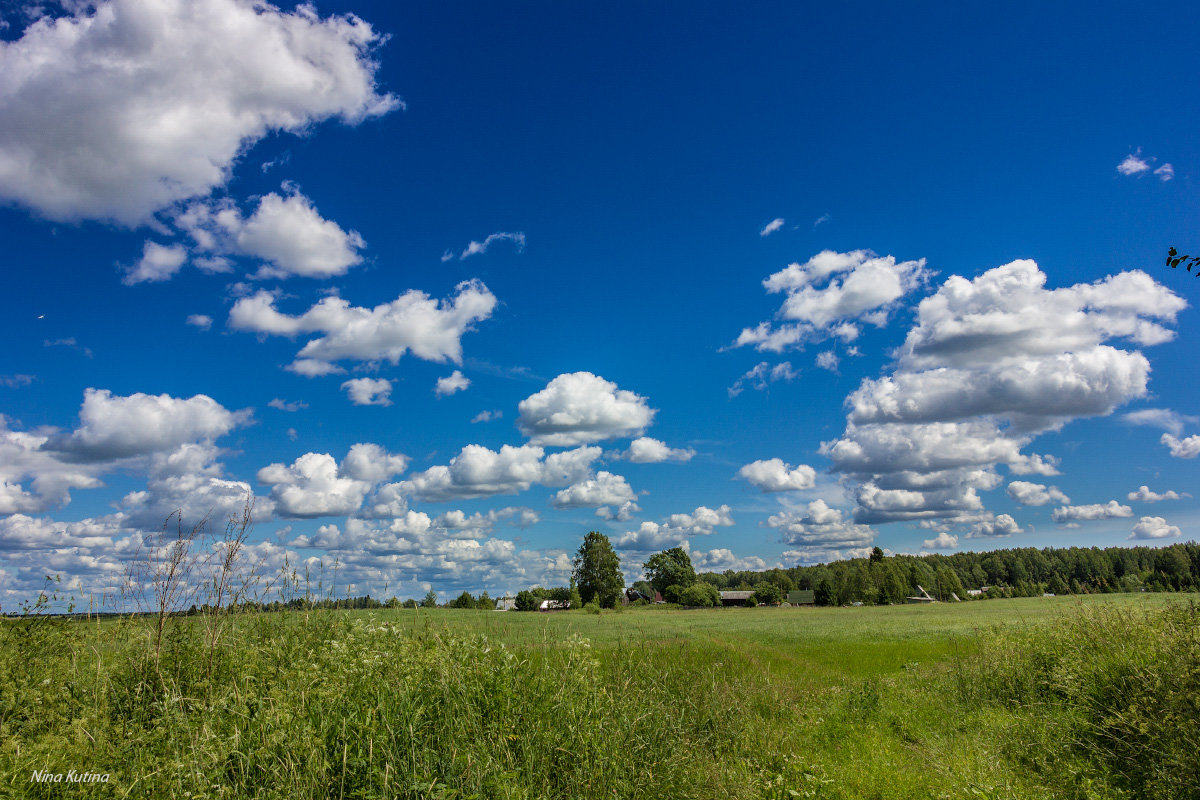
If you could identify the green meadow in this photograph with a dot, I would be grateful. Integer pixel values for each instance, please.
(1090, 697)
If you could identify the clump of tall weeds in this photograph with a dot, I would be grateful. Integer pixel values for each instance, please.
(1117, 688)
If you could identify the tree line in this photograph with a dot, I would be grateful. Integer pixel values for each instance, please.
(1018, 572)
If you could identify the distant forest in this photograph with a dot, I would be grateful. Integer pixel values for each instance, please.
(1021, 572)
(881, 579)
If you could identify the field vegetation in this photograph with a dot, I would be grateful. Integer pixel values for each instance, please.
(1089, 697)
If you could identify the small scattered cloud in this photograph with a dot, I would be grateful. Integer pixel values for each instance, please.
(369, 391)
(762, 375)
(487, 416)
(771, 227)
(287, 405)
(828, 360)
(454, 382)
(1137, 164)
(479, 248)
(943, 541)
(70, 343)
(821, 220)
(645, 450)
(16, 380)
(1133, 164)
(201, 321)
(1145, 495)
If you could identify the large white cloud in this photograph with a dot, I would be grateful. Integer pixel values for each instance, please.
(117, 432)
(286, 233)
(605, 489)
(1182, 448)
(1036, 494)
(478, 471)
(1154, 528)
(818, 526)
(414, 322)
(830, 293)
(118, 113)
(578, 408)
(1110, 510)
(455, 550)
(315, 486)
(773, 475)
(675, 530)
(111, 426)
(991, 363)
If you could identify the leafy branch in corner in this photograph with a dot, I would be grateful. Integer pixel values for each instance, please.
(1174, 259)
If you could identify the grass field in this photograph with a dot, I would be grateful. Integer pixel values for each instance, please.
(1090, 697)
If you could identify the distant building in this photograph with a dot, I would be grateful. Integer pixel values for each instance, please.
(735, 598)
(802, 597)
(506, 603)
(554, 605)
(922, 596)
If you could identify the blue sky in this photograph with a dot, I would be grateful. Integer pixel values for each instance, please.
(445, 286)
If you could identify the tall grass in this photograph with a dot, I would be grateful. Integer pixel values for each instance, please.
(1097, 702)
(1113, 692)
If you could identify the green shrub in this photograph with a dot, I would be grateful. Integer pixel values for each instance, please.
(700, 595)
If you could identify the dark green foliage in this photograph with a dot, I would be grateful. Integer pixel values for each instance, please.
(1174, 259)
(767, 593)
(668, 568)
(430, 600)
(1020, 572)
(598, 571)
(700, 595)
(464, 600)
(527, 601)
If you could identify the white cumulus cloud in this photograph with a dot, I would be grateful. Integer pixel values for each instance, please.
(990, 364)
(1154, 528)
(645, 450)
(158, 263)
(1110, 510)
(773, 475)
(286, 233)
(118, 112)
(831, 290)
(1145, 495)
(369, 391)
(1182, 448)
(414, 322)
(454, 382)
(579, 407)
(1036, 494)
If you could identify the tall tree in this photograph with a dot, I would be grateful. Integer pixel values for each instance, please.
(670, 568)
(598, 571)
